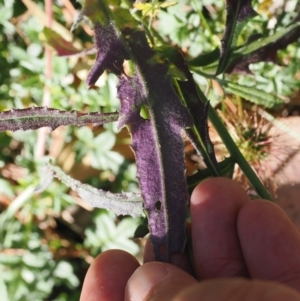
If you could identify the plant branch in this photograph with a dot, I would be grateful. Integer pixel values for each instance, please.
(42, 132)
(37, 117)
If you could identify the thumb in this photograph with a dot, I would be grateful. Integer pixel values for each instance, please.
(157, 281)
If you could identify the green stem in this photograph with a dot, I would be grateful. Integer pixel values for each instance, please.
(237, 155)
(204, 22)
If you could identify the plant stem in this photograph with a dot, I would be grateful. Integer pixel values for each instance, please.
(204, 22)
(237, 155)
(43, 132)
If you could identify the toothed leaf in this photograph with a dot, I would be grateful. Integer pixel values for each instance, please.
(264, 49)
(198, 108)
(157, 141)
(37, 117)
(252, 94)
(110, 52)
(158, 145)
(239, 12)
(125, 203)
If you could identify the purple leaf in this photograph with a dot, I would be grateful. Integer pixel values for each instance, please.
(158, 145)
(157, 141)
(37, 117)
(198, 108)
(110, 53)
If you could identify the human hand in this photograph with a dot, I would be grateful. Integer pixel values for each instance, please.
(243, 250)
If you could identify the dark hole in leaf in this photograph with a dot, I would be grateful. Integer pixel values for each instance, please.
(158, 205)
(162, 250)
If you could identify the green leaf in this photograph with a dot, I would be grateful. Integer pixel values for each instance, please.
(10, 260)
(3, 287)
(28, 276)
(226, 167)
(106, 160)
(263, 48)
(17, 203)
(239, 12)
(96, 11)
(252, 94)
(34, 260)
(104, 141)
(6, 188)
(205, 59)
(142, 230)
(127, 227)
(64, 270)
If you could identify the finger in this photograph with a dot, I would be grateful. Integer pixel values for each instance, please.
(215, 204)
(236, 290)
(270, 242)
(180, 260)
(157, 281)
(107, 276)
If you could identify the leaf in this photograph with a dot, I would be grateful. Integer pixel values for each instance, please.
(226, 166)
(96, 11)
(205, 59)
(10, 260)
(3, 286)
(264, 49)
(157, 142)
(37, 117)
(61, 45)
(252, 94)
(46, 178)
(142, 230)
(125, 203)
(16, 204)
(110, 53)
(239, 12)
(64, 270)
(198, 108)
(6, 188)
(33, 261)
(149, 9)
(158, 145)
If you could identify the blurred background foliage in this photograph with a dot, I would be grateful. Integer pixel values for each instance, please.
(48, 240)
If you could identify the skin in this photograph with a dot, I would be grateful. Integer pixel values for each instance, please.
(243, 250)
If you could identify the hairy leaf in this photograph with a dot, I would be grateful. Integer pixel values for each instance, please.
(125, 203)
(111, 52)
(158, 145)
(37, 117)
(198, 108)
(157, 139)
(239, 12)
(252, 94)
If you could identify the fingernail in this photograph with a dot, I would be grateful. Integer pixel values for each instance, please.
(143, 279)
